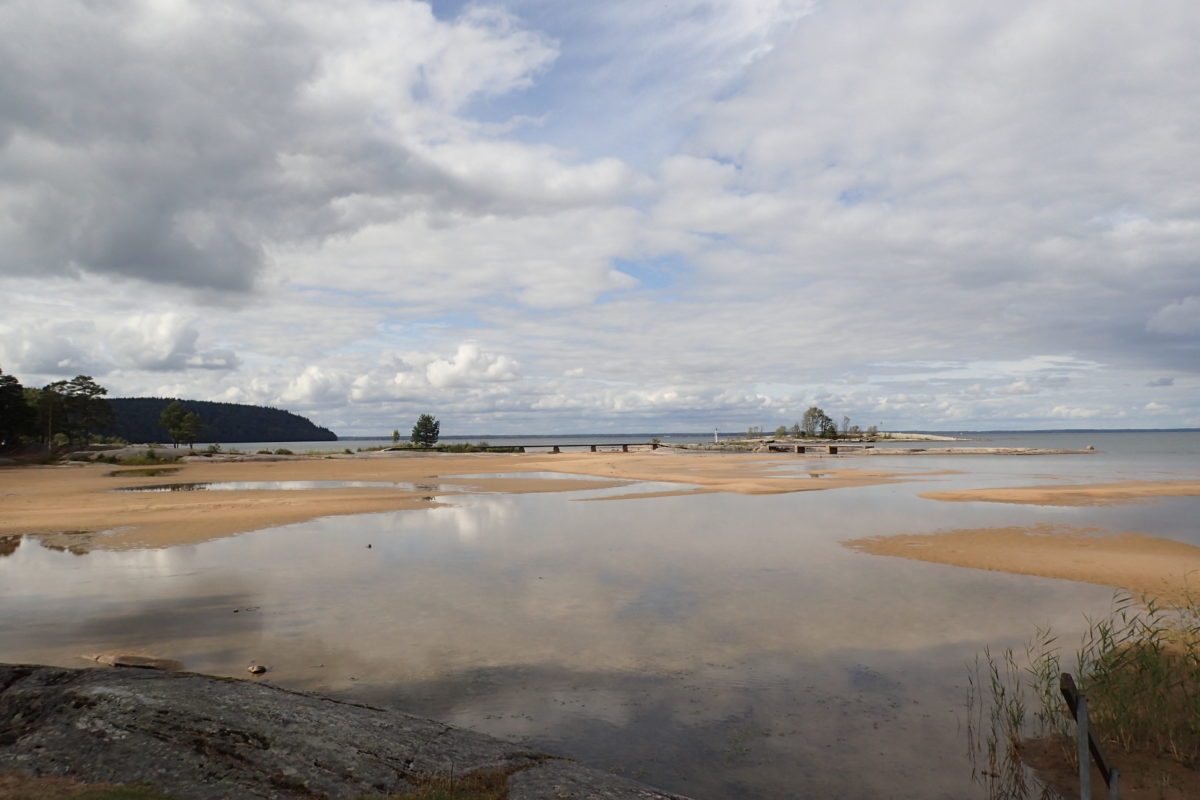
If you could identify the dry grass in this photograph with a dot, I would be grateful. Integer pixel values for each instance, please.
(476, 786)
(15, 786)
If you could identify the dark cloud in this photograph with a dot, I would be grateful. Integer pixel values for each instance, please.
(175, 146)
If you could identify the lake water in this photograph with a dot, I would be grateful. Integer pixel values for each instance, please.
(715, 645)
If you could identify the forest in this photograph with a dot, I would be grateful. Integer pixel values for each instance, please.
(139, 419)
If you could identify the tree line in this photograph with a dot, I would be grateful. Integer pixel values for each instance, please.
(149, 419)
(58, 414)
(77, 412)
(816, 424)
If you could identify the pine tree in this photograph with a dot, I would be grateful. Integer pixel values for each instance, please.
(425, 432)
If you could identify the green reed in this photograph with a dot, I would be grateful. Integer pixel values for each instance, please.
(1139, 667)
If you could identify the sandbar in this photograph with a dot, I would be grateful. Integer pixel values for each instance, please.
(1079, 494)
(1139, 564)
(74, 505)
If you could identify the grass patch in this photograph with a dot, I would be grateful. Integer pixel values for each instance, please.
(457, 447)
(1140, 669)
(16, 786)
(144, 472)
(482, 786)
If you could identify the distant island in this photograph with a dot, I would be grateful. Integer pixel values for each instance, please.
(137, 420)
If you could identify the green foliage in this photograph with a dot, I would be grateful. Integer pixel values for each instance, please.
(466, 447)
(171, 418)
(17, 417)
(395, 436)
(425, 432)
(283, 451)
(75, 408)
(816, 422)
(781, 432)
(1140, 670)
(183, 425)
(150, 459)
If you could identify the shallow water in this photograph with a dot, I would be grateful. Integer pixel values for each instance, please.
(275, 486)
(716, 645)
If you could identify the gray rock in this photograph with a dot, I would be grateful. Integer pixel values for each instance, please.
(202, 738)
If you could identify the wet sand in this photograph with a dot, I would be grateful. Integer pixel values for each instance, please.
(1135, 562)
(1084, 494)
(74, 505)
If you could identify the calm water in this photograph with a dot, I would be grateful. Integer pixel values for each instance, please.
(719, 646)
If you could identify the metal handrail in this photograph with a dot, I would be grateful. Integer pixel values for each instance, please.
(1077, 703)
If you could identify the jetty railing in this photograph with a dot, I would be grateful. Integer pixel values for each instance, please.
(557, 448)
(1089, 750)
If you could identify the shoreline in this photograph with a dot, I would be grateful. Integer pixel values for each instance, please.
(1142, 565)
(74, 506)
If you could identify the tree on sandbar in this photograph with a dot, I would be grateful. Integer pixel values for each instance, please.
(425, 432)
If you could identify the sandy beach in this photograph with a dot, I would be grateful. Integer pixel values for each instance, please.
(1083, 494)
(1135, 562)
(1128, 560)
(75, 505)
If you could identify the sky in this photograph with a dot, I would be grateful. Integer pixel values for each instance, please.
(536, 216)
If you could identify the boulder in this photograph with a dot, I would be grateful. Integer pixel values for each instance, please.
(201, 738)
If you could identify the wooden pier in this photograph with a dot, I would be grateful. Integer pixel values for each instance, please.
(595, 448)
(831, 449)
(801, 449)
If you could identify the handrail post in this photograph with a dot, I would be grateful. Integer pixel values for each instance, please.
(1113, 778)
(1085, 761)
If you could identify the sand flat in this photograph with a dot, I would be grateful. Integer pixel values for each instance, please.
(1132, 561)
(1080, 494)
(79, 497)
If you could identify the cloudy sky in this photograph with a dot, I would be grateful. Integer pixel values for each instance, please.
(544, 216)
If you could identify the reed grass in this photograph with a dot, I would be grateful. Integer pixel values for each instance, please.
(1140, 669)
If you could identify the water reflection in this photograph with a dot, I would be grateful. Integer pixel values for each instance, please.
(717, 645)
(285, 486)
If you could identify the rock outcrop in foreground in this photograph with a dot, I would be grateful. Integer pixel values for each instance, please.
(202, 738)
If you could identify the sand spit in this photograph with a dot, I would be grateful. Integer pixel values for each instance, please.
(1080, 494)
(1135, 562)
(74, 506)
(967, 451)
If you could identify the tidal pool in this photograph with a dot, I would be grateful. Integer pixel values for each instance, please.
(715, 645)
